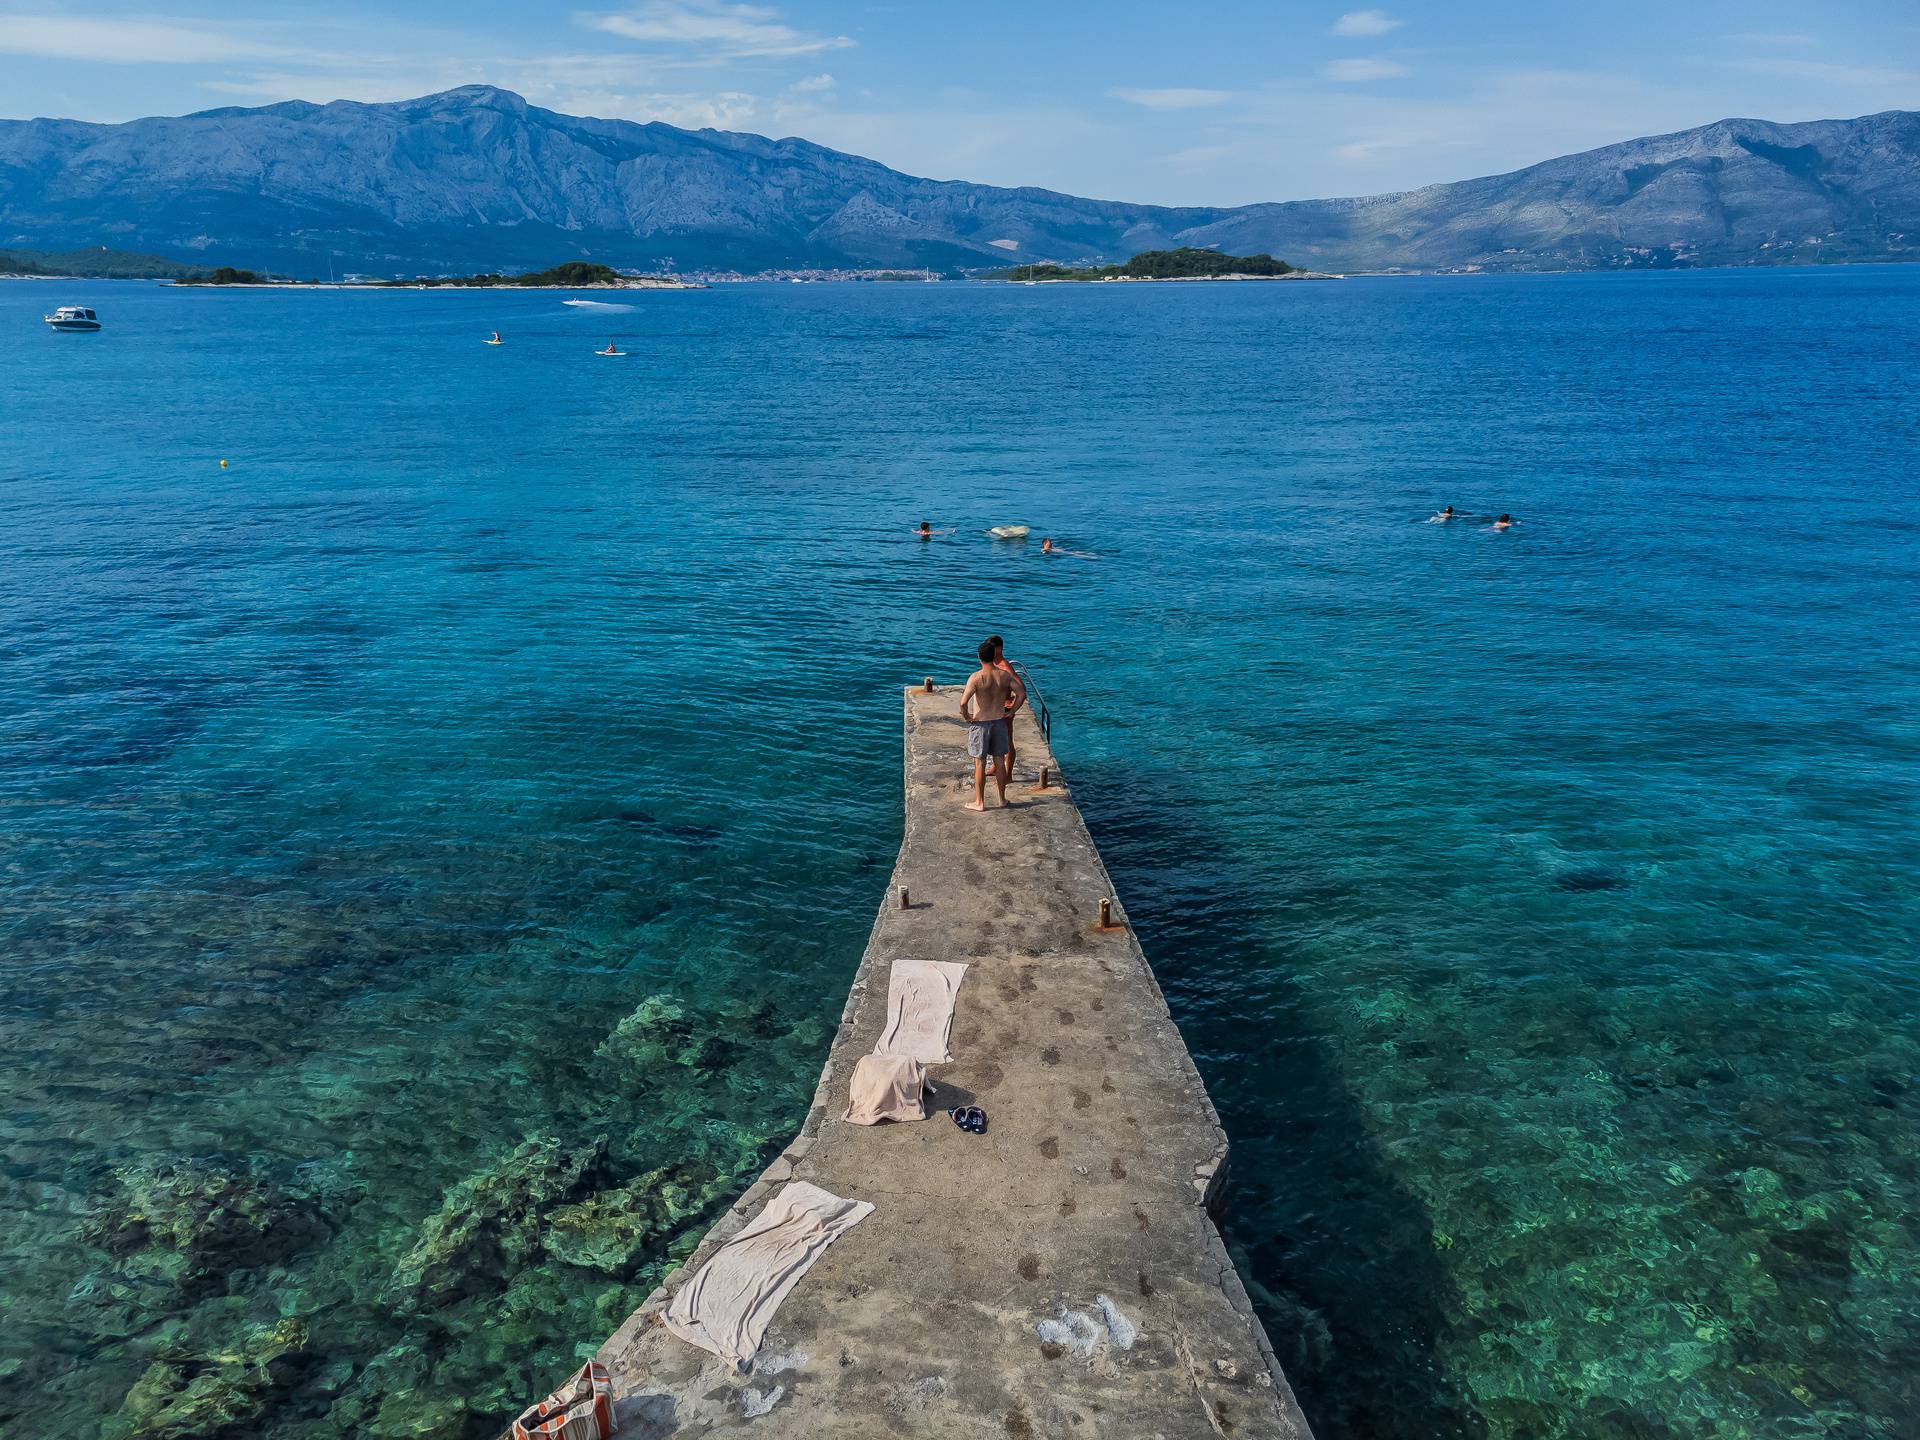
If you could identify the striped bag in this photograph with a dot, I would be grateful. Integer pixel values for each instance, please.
(581, 1409)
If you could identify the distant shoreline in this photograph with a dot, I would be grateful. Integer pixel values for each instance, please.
(410, 285)
(1170, 279)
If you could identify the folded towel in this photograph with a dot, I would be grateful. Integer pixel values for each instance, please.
(886, 1087)
(920, 1009)
(728, 1304)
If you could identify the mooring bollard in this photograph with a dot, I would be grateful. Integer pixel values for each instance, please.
(1106, 914)
(1043, 777)
(928, 684)
(904, 904)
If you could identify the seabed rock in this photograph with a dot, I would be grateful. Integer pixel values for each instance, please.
(490, 1223)
(192, 1397)
(196, 1221)
(658, 1032)
(612, 1231)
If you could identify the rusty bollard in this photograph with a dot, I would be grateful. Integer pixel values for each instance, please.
(905, 904)
(1106, 914)
(1043, 777)
(927, 685)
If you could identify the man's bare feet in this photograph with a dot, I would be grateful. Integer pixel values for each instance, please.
(976, 805)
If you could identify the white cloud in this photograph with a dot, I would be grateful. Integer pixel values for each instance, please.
(1200, 157)
(724, 110)
(1173, 99)
(1866, 76)
(1366, 23)
(1356, 72)
(127, 42)
(728, 31)
(958, 134)
(812, 84)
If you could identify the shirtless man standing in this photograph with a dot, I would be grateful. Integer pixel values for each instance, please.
(1001, 664)
(993, 694)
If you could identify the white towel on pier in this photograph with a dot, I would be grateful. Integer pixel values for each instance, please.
(920, 995)
(729, 1303)
(886, 1087)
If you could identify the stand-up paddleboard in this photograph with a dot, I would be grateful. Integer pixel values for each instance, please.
(1008, 532)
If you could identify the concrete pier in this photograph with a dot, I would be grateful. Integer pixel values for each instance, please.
(1059, 1276)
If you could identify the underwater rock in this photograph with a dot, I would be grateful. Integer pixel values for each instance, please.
(201, 1220)
(398, 1370)
(612, 1231)
(404, 1417)
(191, 1397)
(658, 1032)
(489, 1224)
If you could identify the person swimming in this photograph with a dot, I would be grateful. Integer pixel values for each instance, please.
(1441, 518)
(1503, 522)
(925, 532)
(1049, 547)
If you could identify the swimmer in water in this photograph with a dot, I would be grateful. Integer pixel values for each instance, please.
(1047, 547)
(925, 532)
(1503, 522)
(1442, 518)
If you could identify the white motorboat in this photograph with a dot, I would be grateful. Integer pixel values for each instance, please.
(73, 317)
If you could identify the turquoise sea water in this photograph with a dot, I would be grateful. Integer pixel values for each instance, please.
(433, 850)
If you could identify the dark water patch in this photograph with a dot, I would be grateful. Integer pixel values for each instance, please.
(1340, 1258)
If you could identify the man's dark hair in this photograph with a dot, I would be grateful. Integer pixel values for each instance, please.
(986, 652)
(997, 643)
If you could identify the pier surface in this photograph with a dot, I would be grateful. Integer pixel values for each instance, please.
(1085, 1205)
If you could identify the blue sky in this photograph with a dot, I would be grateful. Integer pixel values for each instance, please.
(1223, 104)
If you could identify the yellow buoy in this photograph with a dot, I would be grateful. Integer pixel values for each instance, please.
(223, 464)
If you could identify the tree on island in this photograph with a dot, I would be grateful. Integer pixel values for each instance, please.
(569, 275)
(227, 275)
(1187, 263)
(1190, 262)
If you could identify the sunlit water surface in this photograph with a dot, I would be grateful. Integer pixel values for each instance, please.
(1539, 905)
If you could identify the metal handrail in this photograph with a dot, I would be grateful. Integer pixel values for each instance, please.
(1037, 701)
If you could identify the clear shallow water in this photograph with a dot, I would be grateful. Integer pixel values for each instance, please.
(1539, 905)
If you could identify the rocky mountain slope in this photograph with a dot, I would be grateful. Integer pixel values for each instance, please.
(477, 178)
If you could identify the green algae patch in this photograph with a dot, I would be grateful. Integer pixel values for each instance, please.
(490, 1223)
(186, 1396)
(613, 1231)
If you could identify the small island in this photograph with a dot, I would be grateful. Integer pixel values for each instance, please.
(572, 275)
(223, 275)
(1187, 263)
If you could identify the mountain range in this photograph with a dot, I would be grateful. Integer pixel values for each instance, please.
(476, 178)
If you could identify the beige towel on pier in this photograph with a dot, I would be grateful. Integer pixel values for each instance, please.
(920, 1009)
(886, 1087)
(728, 1304)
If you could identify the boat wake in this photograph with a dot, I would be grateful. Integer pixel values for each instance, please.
(595, 305)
